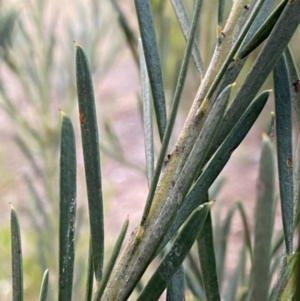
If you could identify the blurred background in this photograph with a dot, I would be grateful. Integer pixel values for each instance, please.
(37, 78)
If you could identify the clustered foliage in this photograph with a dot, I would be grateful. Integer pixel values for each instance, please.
(177, 212)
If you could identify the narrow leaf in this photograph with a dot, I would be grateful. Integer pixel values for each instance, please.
(288, 282)
(263, 32)
(184, 23)
(264, 216)
(297, 183)
(16, 254)
(297, 273)
(242, 212)
(236, 66)
(113, 139)
(294, 81)
(221, 244)
(221, 8)
(215, 189)
(173, 259)
(90, 145)
(128, 31)
(174, 110)
(29, 156)
(207, 259)
(147, 115)
(271, 52)
(112, 260)
(38, 202)
(284, 149)
(194, 267)
(90, 275)
(237, 43)
(175, 291)
(67, 210)
(217, 163)
(194, 286)
(44, 286)
(153, 63)
(237, 275)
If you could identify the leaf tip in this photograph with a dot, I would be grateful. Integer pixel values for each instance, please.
(76, 45)
(62, 112)
(210, 203)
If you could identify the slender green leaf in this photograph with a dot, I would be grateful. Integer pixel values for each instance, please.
(221, 8)
(128, 31)
(297, 273)
(174, 109)
(237, 275)
(263, 32)
(217, 163)
(147, 115)
(277, 243)
(173, 259)
(206, 253)
(153, 63)
(175, 291)
(29, 156)
(283, 116)
(90, 275)
(264, 12)
(112, 261)
(193, 266)
(234, 49)
(7, 22)
(287, 282)
(222, 242)
(113, 139)
(90, 145)
(294, 81)
(235, 67)
(39, 205)
(242, 212)
(16, 254)
(264, 216)
(193, 285)
(297, 184)
(184, 23)
(67, 210)
(263, 65)
(215, 189)
(44, 286)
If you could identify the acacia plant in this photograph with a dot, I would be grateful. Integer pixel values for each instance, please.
(177, 210)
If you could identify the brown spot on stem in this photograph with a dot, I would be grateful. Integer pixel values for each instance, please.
(289, 162)
(292, 2)
(296, 85)
(82, 118)
(247, 6)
